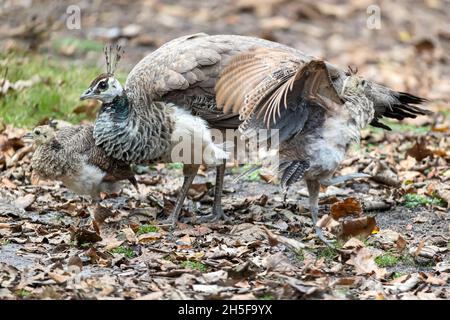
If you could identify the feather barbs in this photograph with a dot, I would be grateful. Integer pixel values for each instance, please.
(263, 81)
(112, 57)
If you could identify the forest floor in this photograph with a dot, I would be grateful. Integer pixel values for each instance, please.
(391, 233)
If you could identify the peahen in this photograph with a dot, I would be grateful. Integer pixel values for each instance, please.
(135, 123)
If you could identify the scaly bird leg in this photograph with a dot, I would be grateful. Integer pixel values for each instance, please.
(189, 171)
(342, 179)
(313, 190)
(217, 210)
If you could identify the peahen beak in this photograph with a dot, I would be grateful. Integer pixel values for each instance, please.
(86, 95)
(27, 136)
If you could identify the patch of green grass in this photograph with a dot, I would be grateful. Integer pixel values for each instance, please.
(401, 127)
(194, 265)
(129, 253)
(407, 260)
(446, 113)
(5, 242)
(22, 293)
(413, 200)
(328, 253)
(241, 169)
(342, 291)
(300, 255)
(55, 95)
(266, 296)
(396, 275)
(147, 228)
(73, 243)
(253, 177)
(338, 244)
(175, 165)
(386, 260)
(85, 245)
(80, 45)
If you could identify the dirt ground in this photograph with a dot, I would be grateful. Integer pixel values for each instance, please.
(54, 244)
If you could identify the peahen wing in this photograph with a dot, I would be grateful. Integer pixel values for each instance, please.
(274, 89)
(185, 70)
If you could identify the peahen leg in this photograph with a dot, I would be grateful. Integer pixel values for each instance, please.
(342, 179)
(313, 190)
(217, 211)
(189, 171)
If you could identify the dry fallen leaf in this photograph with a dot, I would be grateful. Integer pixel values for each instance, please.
(110, 242)
(353, 243)
(364, 262)
(360, 227)
(82, 235)
(404, 283)
(349, 206)
(184, 242)
(59, 278)
(75, 263)
(420, 151)
(149, 237)
(25, 201)
(130, 235)
(101, 214)
(289, 242)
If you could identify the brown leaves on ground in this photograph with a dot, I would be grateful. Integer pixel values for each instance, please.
(362, 227)
(349, 206)
(364, 262)
(420, 151)
(269, 250)
(346, 220)
(267, 242)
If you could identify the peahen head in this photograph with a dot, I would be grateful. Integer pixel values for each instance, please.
(41, 135)
(104, 88)
(112, 119)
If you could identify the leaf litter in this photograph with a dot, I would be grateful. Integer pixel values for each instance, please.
(390, 232)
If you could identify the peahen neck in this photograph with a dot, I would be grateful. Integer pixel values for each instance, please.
(133, 131)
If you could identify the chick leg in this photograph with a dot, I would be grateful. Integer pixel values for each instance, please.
(217, 210)
(313, 190)
(189, 171)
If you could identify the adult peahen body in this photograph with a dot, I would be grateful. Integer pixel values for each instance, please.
(175, 86)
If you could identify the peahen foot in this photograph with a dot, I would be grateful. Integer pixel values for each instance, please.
(342, 179)
(321, 236)
(215, 216)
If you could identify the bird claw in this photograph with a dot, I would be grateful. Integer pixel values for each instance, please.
(168, 222)
(322, 238)
(215, 216)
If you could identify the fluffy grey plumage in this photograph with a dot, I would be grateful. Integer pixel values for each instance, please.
(71, 156)
(317, 123)
(185, 71)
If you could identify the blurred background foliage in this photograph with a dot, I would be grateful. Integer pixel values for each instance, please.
(54, 62)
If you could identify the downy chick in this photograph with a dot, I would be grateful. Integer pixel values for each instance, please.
(71, 156)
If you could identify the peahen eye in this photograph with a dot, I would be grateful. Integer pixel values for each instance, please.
(102, 85)
(37, 132)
